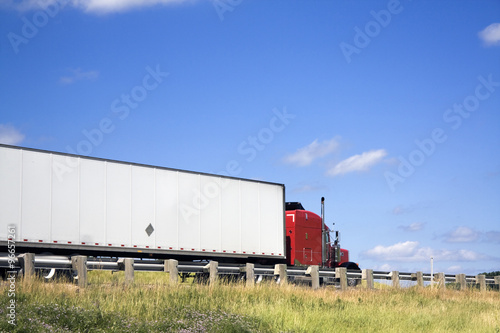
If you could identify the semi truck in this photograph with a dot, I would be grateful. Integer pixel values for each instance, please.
(66, 204)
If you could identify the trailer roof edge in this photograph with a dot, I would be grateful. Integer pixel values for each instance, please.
(137, 164)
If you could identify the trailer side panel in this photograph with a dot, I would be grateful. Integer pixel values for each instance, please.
(58, 200)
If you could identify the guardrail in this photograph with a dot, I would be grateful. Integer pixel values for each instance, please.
(209, 272)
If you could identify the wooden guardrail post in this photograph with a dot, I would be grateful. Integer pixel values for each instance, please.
(280, 270)
(313, 271)
(170, 267)
(440, 280)
(127, 265)
(341, 274)
(250, 274)
(129, 270)
(497, 280)
(79, 264)
(395, 279)
(481, 280)
(367, 275)
(27, 262)
(420, 279)
(213, 269)
(461, 282)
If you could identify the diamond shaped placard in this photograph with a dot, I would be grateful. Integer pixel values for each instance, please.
(150, 230)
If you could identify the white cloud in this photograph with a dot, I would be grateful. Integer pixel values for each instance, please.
(306, 155)
(491, 34)
(410, 251)
(455, 269)
(413, 227)
(361, 162)
(385, 268)
(396, 252)
(107, 6)
(95, 6)
(462, 235)
(77, 75)
(9, 135)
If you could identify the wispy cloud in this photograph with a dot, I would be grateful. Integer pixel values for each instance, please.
(492, 236)
(9, 135)
(306, 155)
(107, 6)
(455, 269)
(410, 251)
(399, 210)
(410, 208)
(78, 74)
(385, 268)
(465, 234)
(462, 235)
(93, 6)
(416, 226)
(361, 162)
(490, 35)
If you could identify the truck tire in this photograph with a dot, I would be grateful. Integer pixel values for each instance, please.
(352, 266)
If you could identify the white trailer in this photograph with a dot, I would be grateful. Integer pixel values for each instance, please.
(67, 204)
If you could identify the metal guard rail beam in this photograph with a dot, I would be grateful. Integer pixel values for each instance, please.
(61, 263)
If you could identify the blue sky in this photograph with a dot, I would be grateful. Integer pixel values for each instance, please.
(389, 109)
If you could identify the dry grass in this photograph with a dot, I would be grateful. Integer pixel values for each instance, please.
(151, 304)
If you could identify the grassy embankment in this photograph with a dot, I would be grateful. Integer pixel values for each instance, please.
(151, 305)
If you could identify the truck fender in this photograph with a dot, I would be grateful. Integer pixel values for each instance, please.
(350, 265)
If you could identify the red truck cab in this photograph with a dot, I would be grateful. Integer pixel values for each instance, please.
(303, 239)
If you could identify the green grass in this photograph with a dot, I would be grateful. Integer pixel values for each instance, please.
(150, 304)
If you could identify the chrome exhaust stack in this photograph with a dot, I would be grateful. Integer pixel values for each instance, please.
(324, 249)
